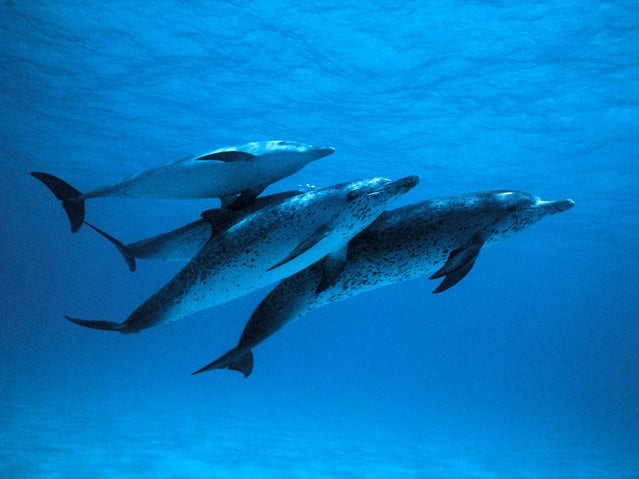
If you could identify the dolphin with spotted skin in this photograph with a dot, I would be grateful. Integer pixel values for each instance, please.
(183, 243)
(244, 170)
(265, 247)
(438, 238)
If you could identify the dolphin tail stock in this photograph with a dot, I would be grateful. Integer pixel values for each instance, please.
(122, 248)
(237, 359)
(104, 325)
(72, 200)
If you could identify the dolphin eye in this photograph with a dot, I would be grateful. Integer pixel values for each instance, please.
(351, 195)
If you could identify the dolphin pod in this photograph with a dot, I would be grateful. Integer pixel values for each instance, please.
(244, 170)
(264, 247)
(439, 238)
(320, 246)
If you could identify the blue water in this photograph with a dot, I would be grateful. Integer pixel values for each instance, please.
(528, 368)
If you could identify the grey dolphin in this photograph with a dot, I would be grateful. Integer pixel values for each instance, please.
(244, 170)
(265, 247)
(439, 238)
(182, 243)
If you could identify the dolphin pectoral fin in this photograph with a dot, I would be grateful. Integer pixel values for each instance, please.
(104, 325)
(236, 360)
(122, 248)
(459, 263)
(245, 199)
(454, 277)
(66, 193)
(221, 219)
(332, 265)
(304, 246)
(227, 156)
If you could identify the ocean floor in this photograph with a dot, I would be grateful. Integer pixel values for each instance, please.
(52, 440)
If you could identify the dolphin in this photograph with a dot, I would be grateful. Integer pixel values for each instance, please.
(182, 243)
(439, 238)
(265, 247)
(244, 170)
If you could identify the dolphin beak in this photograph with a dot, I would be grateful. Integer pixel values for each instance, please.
(402, 185)
(323, 151)
(553, 207)
(409, 182)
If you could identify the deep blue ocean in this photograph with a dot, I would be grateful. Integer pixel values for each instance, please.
(529, 368)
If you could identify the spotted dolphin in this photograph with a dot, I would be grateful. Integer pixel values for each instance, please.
(265, 247)
(183, 243)
(244, 170)
(439, 238)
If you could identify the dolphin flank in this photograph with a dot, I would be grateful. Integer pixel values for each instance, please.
(439, 238)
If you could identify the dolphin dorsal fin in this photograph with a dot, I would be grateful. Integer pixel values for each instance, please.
(250, 205)
(459, 263)
(227, 156)
(239, 202)
(221, 219)
(304, 246)
(332, 266)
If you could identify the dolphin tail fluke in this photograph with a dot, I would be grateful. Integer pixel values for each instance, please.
(70, 197)
(236, 359)
(122, 248)
(104, 325)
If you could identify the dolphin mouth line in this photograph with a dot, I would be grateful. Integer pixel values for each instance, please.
(557, 206)
(406, 183)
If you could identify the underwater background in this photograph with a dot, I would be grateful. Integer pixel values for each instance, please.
(528, 368)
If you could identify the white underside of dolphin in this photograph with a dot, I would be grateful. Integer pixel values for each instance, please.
(265, 247)
(438, 238)
(244, 170)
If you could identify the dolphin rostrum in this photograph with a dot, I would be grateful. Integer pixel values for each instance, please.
(265, 247)
(244, 170)
(439, 238)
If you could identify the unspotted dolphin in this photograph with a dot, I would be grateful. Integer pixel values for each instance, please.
(267, 246)
(244, 170)
(183, 243)
(440, 238)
